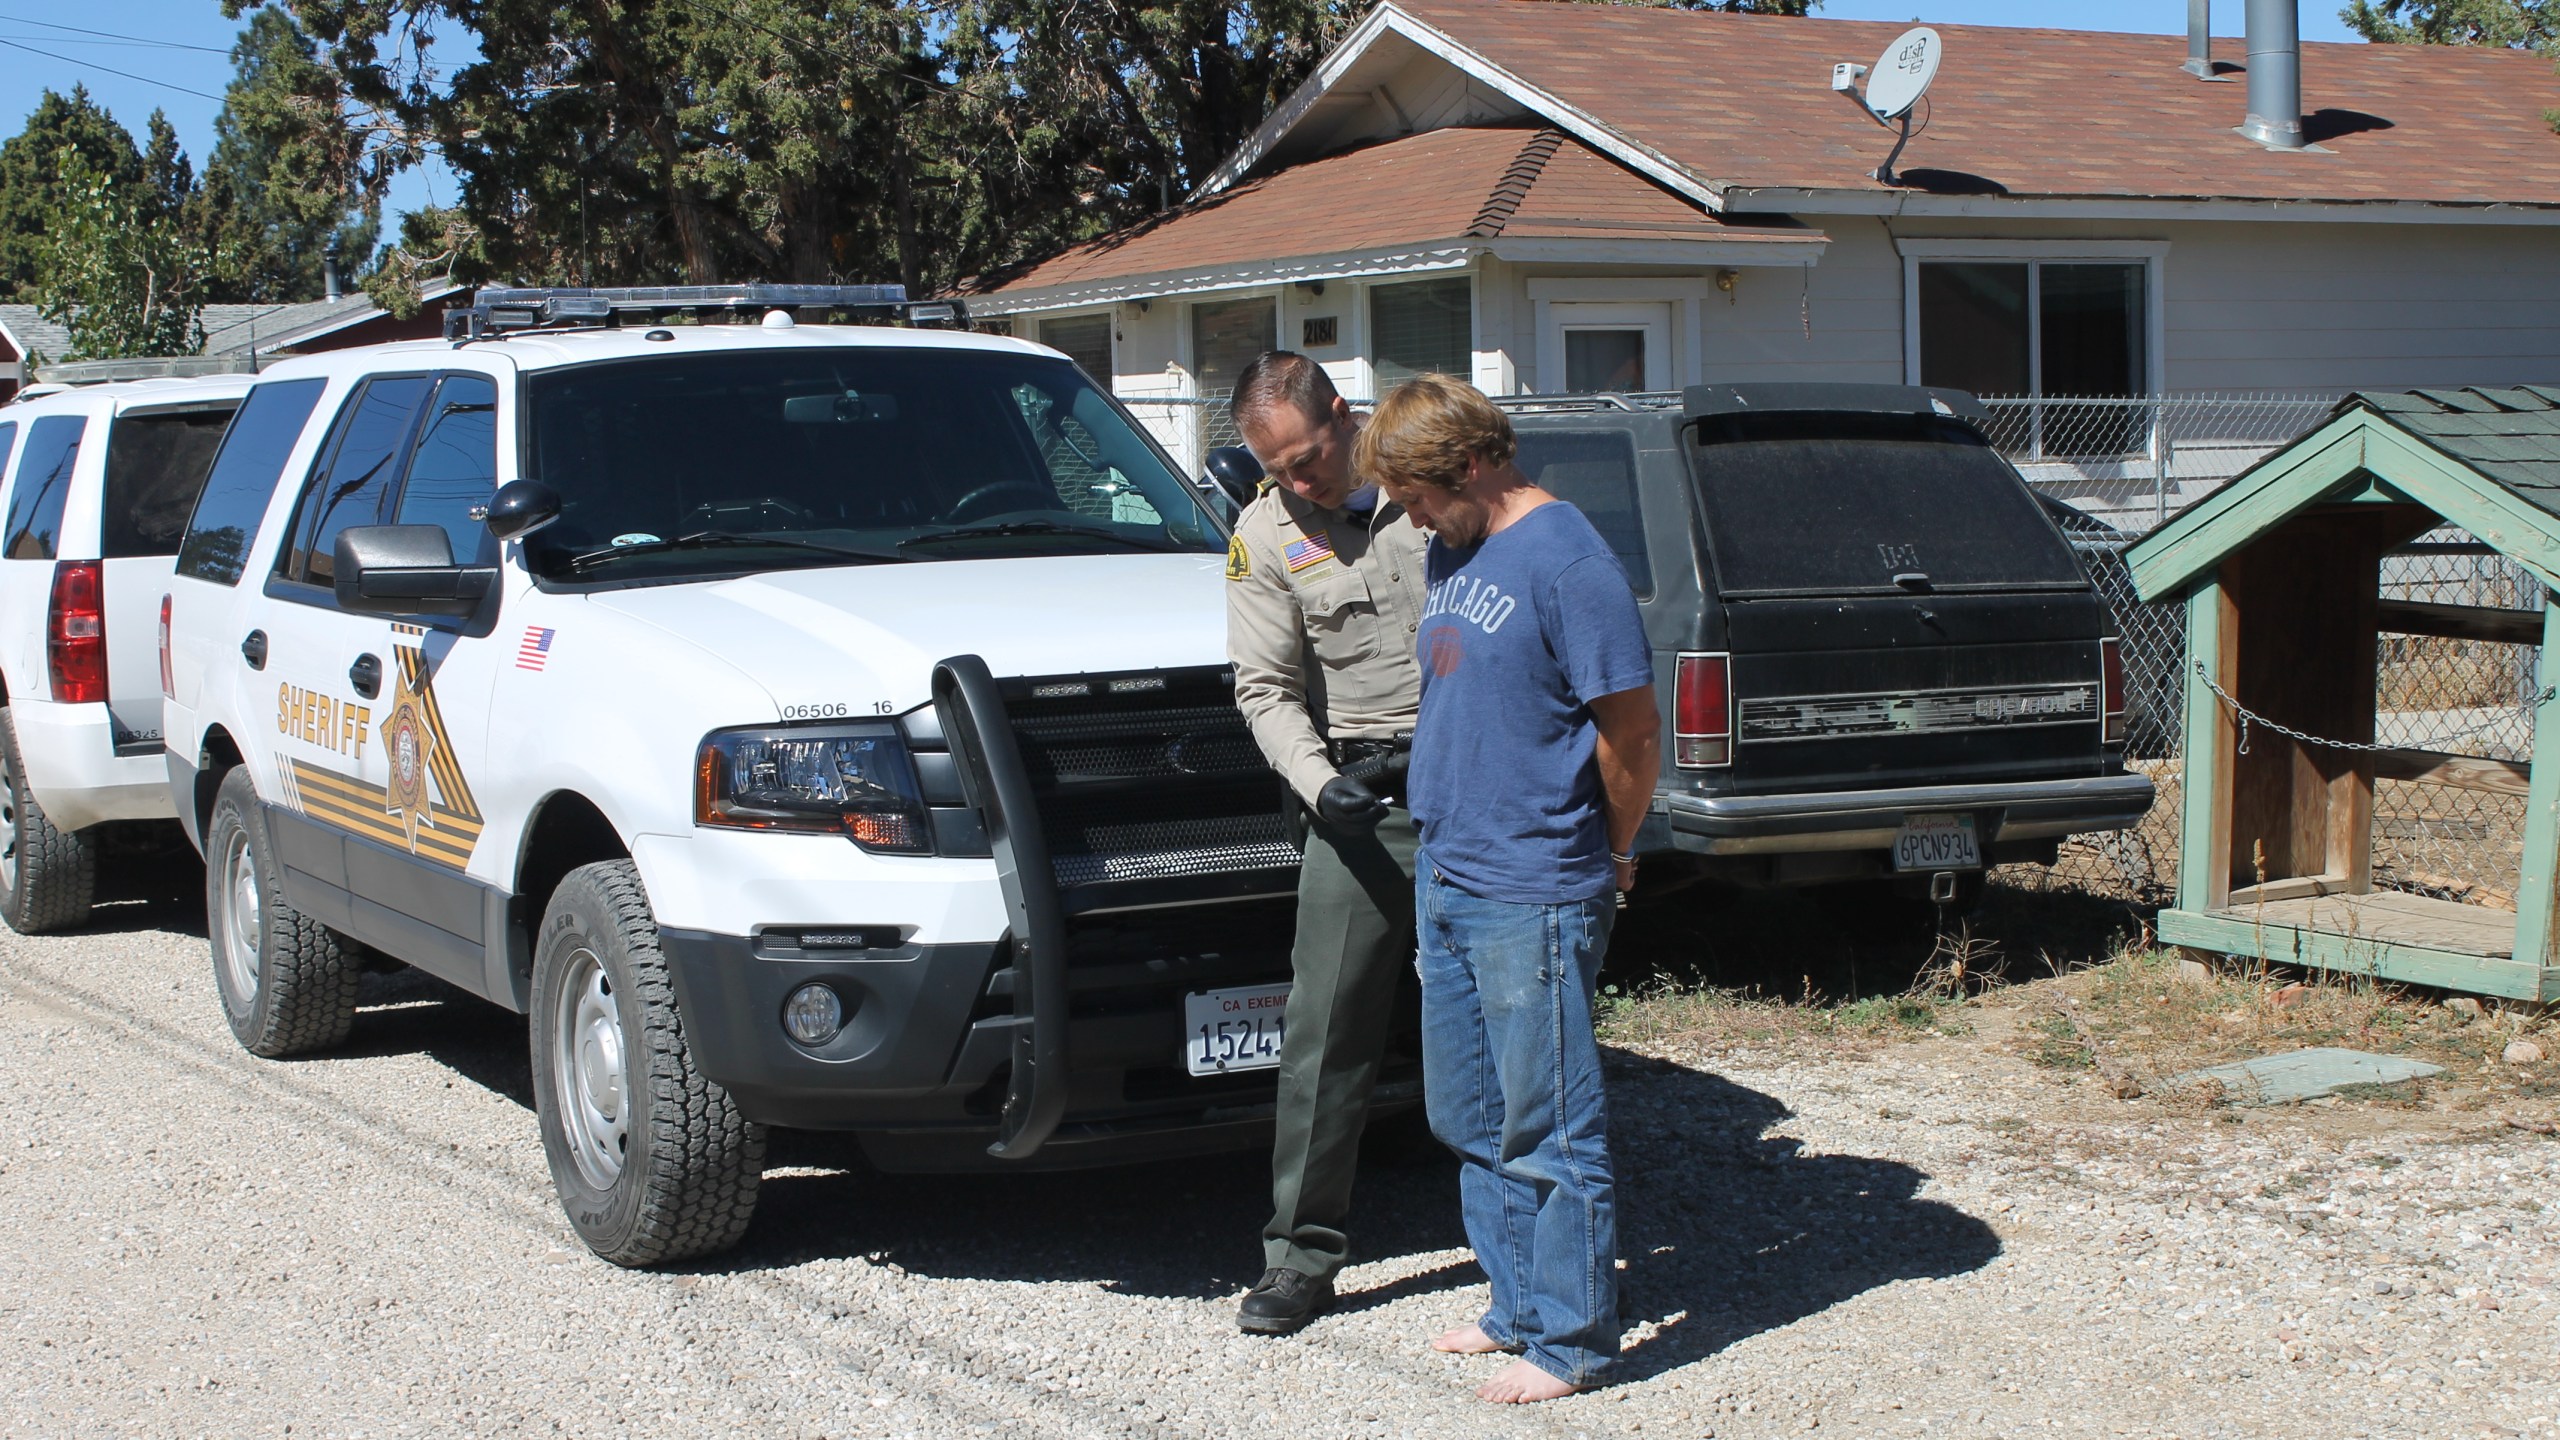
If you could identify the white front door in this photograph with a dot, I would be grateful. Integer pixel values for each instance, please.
(1591, 346)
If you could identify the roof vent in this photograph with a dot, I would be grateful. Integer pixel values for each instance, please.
(2275, 75)
(2199, 39)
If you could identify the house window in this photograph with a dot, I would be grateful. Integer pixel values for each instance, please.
(1226, 335)
(2043, 328)
(1086, 339)
(1424, 326)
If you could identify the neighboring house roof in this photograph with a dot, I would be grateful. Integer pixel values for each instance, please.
(1736, 110)
(1440, 196)
(2486, 459)
(231, 332)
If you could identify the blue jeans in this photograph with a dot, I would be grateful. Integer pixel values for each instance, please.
(1511, 1077)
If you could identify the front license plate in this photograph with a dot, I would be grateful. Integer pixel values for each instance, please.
(1232, 1030)
(1936, 842)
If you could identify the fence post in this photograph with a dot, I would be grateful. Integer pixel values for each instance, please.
(2163, 452)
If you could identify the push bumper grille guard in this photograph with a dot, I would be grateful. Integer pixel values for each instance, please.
(992, 772)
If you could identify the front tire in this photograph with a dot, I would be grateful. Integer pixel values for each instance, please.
(652, 1161)
(286, 981)
(48, 877)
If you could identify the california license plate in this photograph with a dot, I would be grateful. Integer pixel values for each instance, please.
(1936, 842)
(1232, 1030)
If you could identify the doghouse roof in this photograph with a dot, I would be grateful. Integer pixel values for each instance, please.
(2486, 459)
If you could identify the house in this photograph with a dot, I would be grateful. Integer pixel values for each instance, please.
(236, 338)
(1564, 197)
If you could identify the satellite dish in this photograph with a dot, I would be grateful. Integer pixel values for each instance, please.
(1901, 75)
(1903, 72)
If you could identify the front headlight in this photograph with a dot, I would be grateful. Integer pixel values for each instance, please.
(855, 779)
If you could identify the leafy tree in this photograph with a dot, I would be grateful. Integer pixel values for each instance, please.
(124, 282)
(35, 191)
(2513, 24)
(282, 181)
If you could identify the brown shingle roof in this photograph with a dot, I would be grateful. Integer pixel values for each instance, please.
(1744, 100)
(1441, 187)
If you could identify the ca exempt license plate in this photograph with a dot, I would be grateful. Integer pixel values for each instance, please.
(1936, 842)
(1231, 1030)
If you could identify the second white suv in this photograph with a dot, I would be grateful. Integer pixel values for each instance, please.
(96, 486)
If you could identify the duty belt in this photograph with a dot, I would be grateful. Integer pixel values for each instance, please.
(1351, 752)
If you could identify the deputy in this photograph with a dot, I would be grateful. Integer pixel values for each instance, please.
(1324, 596)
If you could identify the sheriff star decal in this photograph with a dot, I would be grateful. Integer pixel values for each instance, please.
(409, 744)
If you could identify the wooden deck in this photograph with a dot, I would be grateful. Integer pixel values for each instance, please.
(2391, 918)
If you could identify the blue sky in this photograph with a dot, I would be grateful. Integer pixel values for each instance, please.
(151, 40)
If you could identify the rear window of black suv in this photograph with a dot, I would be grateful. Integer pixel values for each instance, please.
(1840, 503)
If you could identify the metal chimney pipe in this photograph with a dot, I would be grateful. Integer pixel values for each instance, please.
(2275, 75)
(2199, 39)
(332, 288)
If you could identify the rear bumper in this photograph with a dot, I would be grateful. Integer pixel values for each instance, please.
(1868, 819)
(75, 772)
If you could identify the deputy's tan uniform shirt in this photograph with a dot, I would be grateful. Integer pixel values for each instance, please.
(1322, 606)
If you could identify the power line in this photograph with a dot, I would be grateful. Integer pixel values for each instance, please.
(113, 35)
(110, 69)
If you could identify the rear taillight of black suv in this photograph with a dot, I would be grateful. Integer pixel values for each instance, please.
(75, 632)
(2111, 688)
(1702, 712)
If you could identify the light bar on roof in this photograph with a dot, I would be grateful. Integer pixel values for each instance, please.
(503, 309)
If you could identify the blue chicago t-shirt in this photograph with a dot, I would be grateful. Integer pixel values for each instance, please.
(1520, 633)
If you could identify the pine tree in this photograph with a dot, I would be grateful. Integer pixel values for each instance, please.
(34, 191)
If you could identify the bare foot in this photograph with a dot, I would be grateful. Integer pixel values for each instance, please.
(1522, 1383)
(1465, 1340)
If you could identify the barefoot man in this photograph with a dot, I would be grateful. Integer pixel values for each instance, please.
(1534, 760)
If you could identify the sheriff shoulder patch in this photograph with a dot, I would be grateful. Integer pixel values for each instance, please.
(1239, 564)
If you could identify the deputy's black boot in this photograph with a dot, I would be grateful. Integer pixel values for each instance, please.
(1283, 1301)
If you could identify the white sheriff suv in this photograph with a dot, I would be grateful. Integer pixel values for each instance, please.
(804, 723)
(95, 488)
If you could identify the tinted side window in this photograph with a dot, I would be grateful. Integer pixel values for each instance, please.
(1595, 470)
(352, 482)
(244, 478)
(455, 469)
(155, 471)
(34, 527)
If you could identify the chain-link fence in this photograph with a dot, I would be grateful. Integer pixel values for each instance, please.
(2122, 466)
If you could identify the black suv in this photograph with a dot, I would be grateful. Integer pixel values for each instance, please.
(1881, 661)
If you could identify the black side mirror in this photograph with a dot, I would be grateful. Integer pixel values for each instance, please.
(521, 507)
(1236, 473)
(404, 570)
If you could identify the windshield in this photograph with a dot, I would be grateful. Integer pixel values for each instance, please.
(676, 467)
(1832, 503)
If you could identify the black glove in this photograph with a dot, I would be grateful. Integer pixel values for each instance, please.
(1346, 804)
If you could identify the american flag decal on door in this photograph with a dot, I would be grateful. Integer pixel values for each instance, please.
(534, 651)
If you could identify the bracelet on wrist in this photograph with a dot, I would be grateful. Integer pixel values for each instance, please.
(1617, 858)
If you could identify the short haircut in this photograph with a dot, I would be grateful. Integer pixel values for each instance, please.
(1426, 430)
(1277, 378)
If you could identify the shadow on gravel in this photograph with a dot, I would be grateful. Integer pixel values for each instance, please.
(1727, 1231)
(401, 1011)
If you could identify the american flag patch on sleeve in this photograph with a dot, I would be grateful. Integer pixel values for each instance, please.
(534, 651)
(1313, 550)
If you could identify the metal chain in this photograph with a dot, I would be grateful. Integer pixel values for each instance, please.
(2249, 717)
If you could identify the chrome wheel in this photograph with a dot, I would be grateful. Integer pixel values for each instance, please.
(8, 821)
(239, 934)
(589, 1071)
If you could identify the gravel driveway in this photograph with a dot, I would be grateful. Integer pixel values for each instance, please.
(1935, 1238)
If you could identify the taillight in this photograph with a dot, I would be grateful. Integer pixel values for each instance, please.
(2111, 688)
(168, 686)
(1702, 712)
(75, 633)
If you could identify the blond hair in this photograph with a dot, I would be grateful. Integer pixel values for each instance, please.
(1426, 430)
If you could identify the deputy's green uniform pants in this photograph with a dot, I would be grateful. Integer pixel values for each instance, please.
(1355, 938)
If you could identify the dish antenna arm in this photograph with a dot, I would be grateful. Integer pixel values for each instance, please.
(1846, 84)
